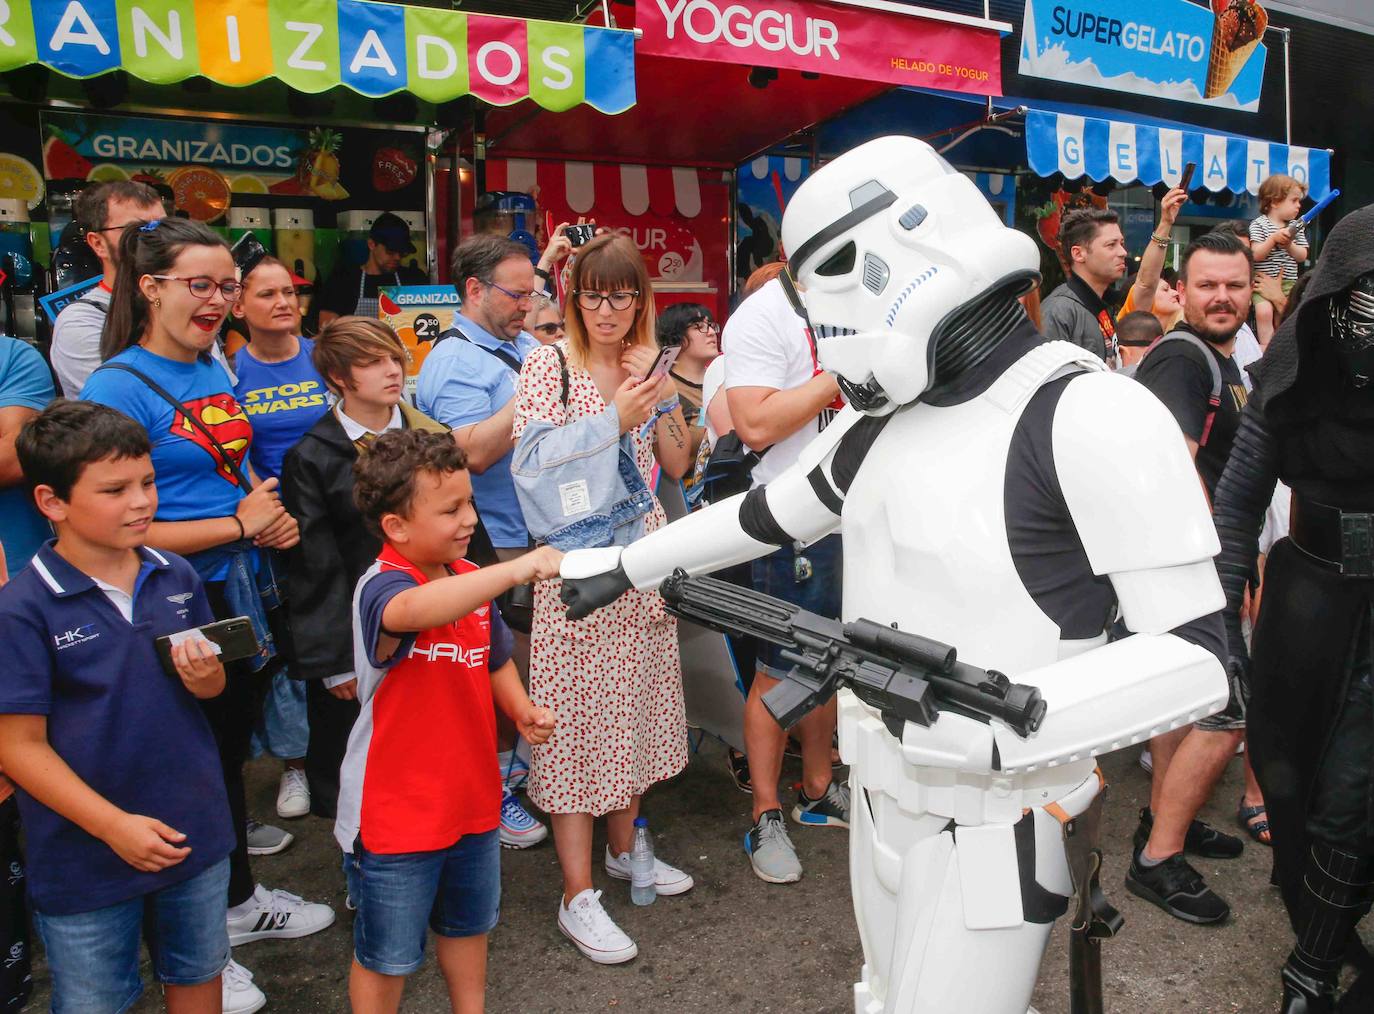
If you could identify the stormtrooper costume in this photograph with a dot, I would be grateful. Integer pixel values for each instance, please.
(982, 479)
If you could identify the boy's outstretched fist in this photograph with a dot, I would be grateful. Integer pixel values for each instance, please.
(535, 723)
(540, 564)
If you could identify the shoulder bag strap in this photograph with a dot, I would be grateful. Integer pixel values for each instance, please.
(563, 376)
(190, 417)
(500, 354)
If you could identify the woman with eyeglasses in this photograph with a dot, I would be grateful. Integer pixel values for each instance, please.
(690, 326)
(545, 320)
(615, 678)
(175, 285)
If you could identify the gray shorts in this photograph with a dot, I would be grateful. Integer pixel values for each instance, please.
(1231, 717)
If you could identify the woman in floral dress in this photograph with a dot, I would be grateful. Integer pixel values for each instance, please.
(614, 679)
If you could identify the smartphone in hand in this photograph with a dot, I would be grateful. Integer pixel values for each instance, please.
(667, 356)
(1186, 179)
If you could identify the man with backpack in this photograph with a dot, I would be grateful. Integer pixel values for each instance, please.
(1192, 371)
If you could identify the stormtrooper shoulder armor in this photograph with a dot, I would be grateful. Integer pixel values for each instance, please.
(1136, 500)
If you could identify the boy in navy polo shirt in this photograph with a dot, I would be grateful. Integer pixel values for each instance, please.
(120, 788)
(419, 798)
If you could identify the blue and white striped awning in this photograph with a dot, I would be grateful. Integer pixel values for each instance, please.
(1129, 151)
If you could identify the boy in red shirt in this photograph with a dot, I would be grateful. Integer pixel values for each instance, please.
(419, 799)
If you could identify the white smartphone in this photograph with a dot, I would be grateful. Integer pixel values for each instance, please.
(667, 356)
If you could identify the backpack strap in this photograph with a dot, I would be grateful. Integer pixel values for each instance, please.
(190, 417)
(1214, 400)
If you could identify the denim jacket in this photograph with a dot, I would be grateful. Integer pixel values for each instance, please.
(578, 484)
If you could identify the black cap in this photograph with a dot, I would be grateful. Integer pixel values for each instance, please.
(392, 232)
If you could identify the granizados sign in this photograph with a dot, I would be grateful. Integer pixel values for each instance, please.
(1173, 49)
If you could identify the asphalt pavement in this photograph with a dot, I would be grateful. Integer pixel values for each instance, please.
(735, 943)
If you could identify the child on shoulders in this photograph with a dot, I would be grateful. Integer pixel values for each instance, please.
(1278, 242)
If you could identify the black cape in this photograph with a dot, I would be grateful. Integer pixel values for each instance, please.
(1307, 427)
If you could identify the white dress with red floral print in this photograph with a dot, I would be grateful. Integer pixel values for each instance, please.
(614, 679)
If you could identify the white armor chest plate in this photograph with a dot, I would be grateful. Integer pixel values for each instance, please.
(924, 526)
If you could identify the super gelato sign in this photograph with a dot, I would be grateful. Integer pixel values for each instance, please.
(1172, 49)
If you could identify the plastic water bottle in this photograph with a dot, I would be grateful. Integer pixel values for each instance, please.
(642, 890)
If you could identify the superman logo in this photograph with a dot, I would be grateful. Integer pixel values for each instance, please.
(220, 415)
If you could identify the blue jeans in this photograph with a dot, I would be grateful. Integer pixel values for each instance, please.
(283, 730)
(93, 956)
(454, 891)
(777, 574)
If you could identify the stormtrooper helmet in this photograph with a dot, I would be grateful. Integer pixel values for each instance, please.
(893, 250)
(1352, 327)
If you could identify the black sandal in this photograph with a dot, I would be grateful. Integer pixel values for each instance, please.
(1256, 829)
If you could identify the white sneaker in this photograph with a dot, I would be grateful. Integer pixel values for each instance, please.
(293, 794)
(277, 915)
(668, 880)
(592, 931)
(237, 993)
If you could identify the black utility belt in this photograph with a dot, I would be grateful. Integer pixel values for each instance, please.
(1340, 539)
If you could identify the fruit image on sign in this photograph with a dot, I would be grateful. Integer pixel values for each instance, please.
(319, 167)
(202, 193)
(63, 162)
(20, 180)
(107, 172)
(392, 169)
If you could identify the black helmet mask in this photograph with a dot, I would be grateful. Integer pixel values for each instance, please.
(1352, 330)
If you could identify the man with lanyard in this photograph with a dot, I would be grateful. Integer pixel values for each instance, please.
(468, 382)
(102, 211)
(1094, 250)
(1182, 370)
(351, 290)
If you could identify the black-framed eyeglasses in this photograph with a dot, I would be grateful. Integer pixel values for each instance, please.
(519, 297)
(591, 301)
(120, 228)
(706, 326)
(549, 329)
(203, 286)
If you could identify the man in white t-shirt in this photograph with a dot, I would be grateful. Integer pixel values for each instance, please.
(103, 211)
(779, 400)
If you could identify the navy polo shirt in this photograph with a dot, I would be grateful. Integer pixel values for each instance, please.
(130, 731)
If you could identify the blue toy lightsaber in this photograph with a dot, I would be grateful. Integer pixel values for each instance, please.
(1317, 208)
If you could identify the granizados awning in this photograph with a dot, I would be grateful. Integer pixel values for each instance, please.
(312, 45)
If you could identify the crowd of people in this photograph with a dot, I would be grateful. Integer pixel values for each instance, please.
(296, 492)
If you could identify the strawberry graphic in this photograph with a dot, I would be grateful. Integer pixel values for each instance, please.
(392, 169)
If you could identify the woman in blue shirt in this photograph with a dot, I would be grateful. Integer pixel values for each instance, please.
(283, 396)
(175, 285)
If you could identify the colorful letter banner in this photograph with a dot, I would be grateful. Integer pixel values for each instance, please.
(1172, 49)
(312, 45)
(852, 42)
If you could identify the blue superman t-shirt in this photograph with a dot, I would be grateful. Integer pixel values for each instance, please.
(282, 400)
(193, 481)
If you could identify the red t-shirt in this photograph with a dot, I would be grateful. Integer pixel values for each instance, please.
(420, 771)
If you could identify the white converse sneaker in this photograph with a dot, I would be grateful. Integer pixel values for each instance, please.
(277, 915)
(668, 880)
(237, 993)
(293, 794)
(592, 931)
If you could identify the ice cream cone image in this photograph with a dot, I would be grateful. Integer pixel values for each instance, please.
(1237, 29)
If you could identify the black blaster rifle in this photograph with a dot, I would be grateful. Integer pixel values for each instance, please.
(908, 678)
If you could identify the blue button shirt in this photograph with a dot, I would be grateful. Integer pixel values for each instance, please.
(130, 731)
(461, 383)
